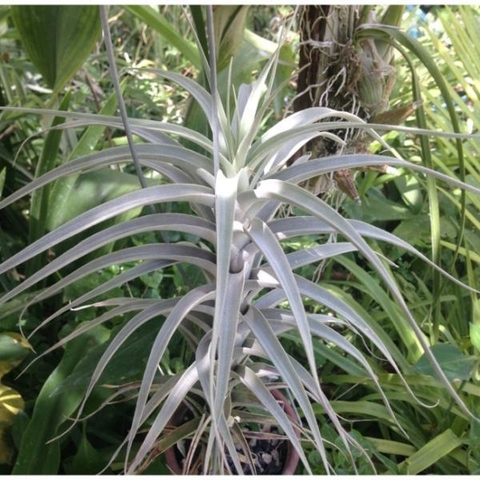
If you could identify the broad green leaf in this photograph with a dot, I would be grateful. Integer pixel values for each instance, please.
(10, 311)
(415, 230)
(40, 203)
(57, 38)
(411, 191)
(454, 363)
(63, 187)
(13, 349)
(229, 24)
(50, 413)
(376, 207)
(11, 402)
(87, 461)
(92, 189)
(120, 369)
(430, 453)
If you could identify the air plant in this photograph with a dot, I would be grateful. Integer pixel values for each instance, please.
(252, 291)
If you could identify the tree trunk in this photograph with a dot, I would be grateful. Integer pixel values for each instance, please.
(340, 71)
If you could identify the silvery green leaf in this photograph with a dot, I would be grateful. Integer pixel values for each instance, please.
(163, 221)
(125, 305)
(274, 254)
(306, 117)
(209, 370)
(147, 196)
(311, 255)
(304, 225)
(276, 353)
(175, 391)
(299, 172)
(178, 314)
(117, 281)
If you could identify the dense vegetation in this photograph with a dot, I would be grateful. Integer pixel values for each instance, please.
(193, 250)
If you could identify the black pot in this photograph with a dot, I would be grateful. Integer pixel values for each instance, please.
(285, 449)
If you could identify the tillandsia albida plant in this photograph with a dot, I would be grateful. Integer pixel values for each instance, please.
(234, 234)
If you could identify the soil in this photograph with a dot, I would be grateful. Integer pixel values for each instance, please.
(268, 454)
